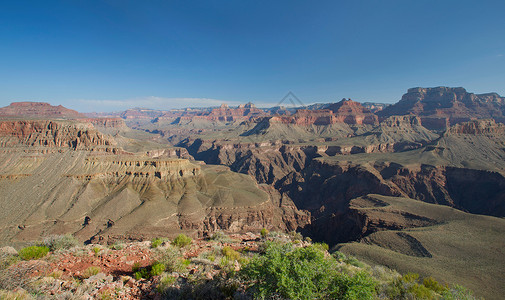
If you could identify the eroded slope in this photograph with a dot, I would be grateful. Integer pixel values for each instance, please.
(412, 236)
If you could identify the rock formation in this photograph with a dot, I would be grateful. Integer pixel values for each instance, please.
(66, 177)
(454, 104)
(38, 110)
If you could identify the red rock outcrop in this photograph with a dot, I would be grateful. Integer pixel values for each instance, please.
(456, 104)
(38, 110)
(46, 133)
(478, 127)
(241, 113)
(345, 111)
(352, 112)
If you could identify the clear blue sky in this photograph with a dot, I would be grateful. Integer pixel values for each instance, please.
(108, 55)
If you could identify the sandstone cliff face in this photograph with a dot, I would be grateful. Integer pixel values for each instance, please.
(478, 127)
(352, 112)
(456, 104)
(47, 133)
(375, 107)
(38, 110)
(345, 111)
(267, 163)
(114, 123)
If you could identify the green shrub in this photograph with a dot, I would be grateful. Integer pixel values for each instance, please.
(96, 250)
(136, 267)
(322, 246)
(458, 292)
(165, 282)
(295, 236)
(33, 252)
(173, 260)
(359, 286)
(142, 273)
(156, 242)
(58, 242)
(339, 256)
(182, 240)
(91, 271)
(432, 284)
(116, 246)
(351, 260)
(407, 286)
(157, 269)
(293, 273)
(230, 254)
(264, 232)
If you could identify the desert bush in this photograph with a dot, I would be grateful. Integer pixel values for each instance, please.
(230, 254)
(358, 286)
(156, 242)
(96, 250)
(91, 271)
(6, 260)
(408, 287)
(351, 260)
(384, 274)
(157, 269)
(295, 236)
(434, 285)
(58, 242)
(166, 282)
(33, 252)
(173, 260)
(182, 240)
(142, 273)
(136, 266)
(339, 256)
(458, 292)
(303, 273)
(15, 295)
(116, 246)
(264, 232)
(322, 246)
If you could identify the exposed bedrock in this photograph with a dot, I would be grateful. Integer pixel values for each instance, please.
(269, 162)
(325, 189)
(76, 135)
(102, 198)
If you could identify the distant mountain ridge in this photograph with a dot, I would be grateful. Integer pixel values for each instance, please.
(38, 109)
(456, 104)
(438, 107)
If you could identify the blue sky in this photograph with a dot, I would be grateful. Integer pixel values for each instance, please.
(110, 55)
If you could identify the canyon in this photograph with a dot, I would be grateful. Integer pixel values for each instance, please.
(351, 175)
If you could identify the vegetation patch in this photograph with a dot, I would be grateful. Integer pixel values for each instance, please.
(91, 271)
(182, 240)
(59, 242)
(303, 273)
(33, 252)
(156, 242)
